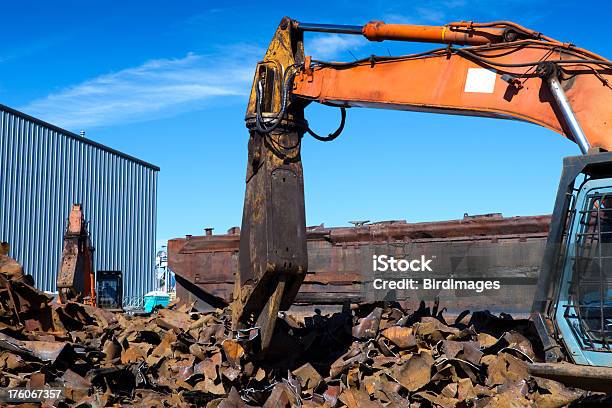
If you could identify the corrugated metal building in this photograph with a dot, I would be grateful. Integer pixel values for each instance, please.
(44, 170)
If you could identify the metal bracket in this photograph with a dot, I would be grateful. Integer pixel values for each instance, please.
(550, 74)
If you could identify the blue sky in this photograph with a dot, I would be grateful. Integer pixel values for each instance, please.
(167, 82)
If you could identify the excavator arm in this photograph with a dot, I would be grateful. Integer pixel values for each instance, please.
(76, 276)
(507, 81)
(503, 71)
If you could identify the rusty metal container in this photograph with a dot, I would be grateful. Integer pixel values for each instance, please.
(338, 259)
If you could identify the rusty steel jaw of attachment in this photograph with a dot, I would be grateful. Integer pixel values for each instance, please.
(272, 258)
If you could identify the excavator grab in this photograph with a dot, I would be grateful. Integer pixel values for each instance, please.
(499, 70)
(76, 277)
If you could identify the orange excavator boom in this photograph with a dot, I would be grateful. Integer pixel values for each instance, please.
(496, 81)
(500, 75)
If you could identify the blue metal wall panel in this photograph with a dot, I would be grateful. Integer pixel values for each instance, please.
(43, 171)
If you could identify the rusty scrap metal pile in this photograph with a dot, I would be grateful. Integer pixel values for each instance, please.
(365, 356)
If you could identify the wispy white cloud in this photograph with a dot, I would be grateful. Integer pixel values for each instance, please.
(332, 45)
(435, 12)
(395, 18)
(157, 88)
(420, 15)
(430, 15)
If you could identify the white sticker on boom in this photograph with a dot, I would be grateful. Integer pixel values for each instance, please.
(480, 80)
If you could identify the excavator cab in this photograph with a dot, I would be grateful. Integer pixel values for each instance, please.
(573, 304)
